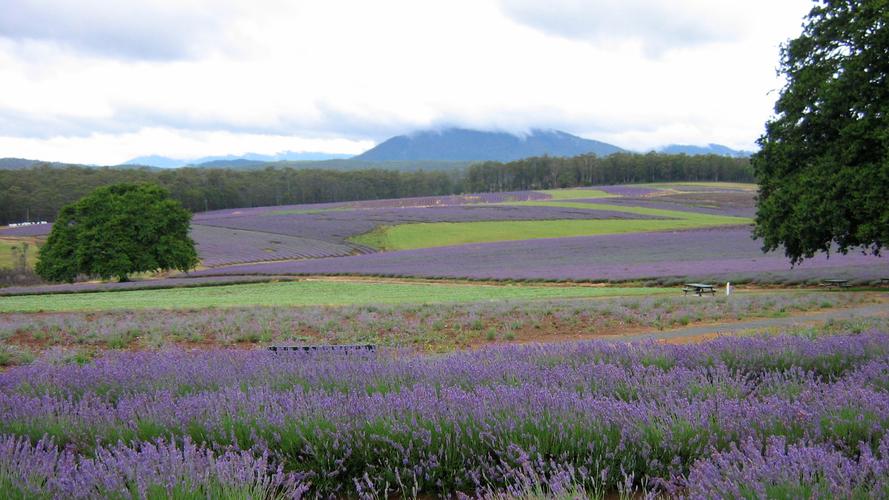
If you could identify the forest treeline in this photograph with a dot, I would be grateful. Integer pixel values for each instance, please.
(590, 170)
(38, 193)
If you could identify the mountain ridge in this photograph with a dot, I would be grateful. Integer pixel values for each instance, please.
(223, 161)
(439, 149)
(460, 144)
(709, 149)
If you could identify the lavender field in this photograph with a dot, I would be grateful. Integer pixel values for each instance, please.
(780, 417)
(718, 254)
(337, 226)
(321, 240)
(221, 246)
(415, 202)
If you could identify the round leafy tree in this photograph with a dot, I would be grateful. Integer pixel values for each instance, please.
(118, 230)
(823, 167)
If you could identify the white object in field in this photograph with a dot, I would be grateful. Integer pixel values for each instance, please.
(728, 288)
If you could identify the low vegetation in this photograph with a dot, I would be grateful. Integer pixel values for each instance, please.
(421, 327)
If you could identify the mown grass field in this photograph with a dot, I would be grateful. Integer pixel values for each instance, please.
(576, 194)
(306, 293)
(745, 186)
(7, 244)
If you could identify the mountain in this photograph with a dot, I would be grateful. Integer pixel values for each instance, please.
(228, 161)
(22, 163)
(709, 149)
(348, 164)
(155, 161)
(457, 144)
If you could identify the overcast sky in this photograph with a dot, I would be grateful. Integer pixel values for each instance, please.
(98, 81)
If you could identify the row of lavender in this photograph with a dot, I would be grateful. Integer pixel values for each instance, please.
(219, 246)
(745, 417)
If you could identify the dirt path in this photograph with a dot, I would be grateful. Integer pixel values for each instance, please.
(710, 331)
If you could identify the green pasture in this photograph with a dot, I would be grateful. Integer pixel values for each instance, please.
(436, 234)
(703, 220)
(308, 293)
(743, 186)
(9, 246)
(576, 194)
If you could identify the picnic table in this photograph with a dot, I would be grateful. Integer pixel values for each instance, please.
(835, 283)
(699, 289)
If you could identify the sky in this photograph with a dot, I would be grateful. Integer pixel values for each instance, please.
(103, 82)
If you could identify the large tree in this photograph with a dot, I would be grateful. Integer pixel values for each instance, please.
(823, 167)
(118, 230)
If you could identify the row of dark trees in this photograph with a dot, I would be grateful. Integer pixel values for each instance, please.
(38, 193)
(590, 170)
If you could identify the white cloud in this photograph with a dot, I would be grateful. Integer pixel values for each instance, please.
(112, 149)
(152, 29)
(363, 71)
(654, 25)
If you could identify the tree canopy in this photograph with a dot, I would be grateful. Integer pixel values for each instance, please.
(823, 167)
(118, 230)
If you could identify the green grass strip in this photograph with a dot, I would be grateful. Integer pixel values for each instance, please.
(576, 194)
(6, 250)
(744, 186)
(308, 293)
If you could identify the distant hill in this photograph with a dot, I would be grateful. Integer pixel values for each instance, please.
(21, 163)
(342, 164)
(444, 150)
(710, 149)
(457, 144)
(233, 161)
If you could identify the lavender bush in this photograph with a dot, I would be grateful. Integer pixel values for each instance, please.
(132, 285)
(569, 417)
(158, 469)
(791, 471)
